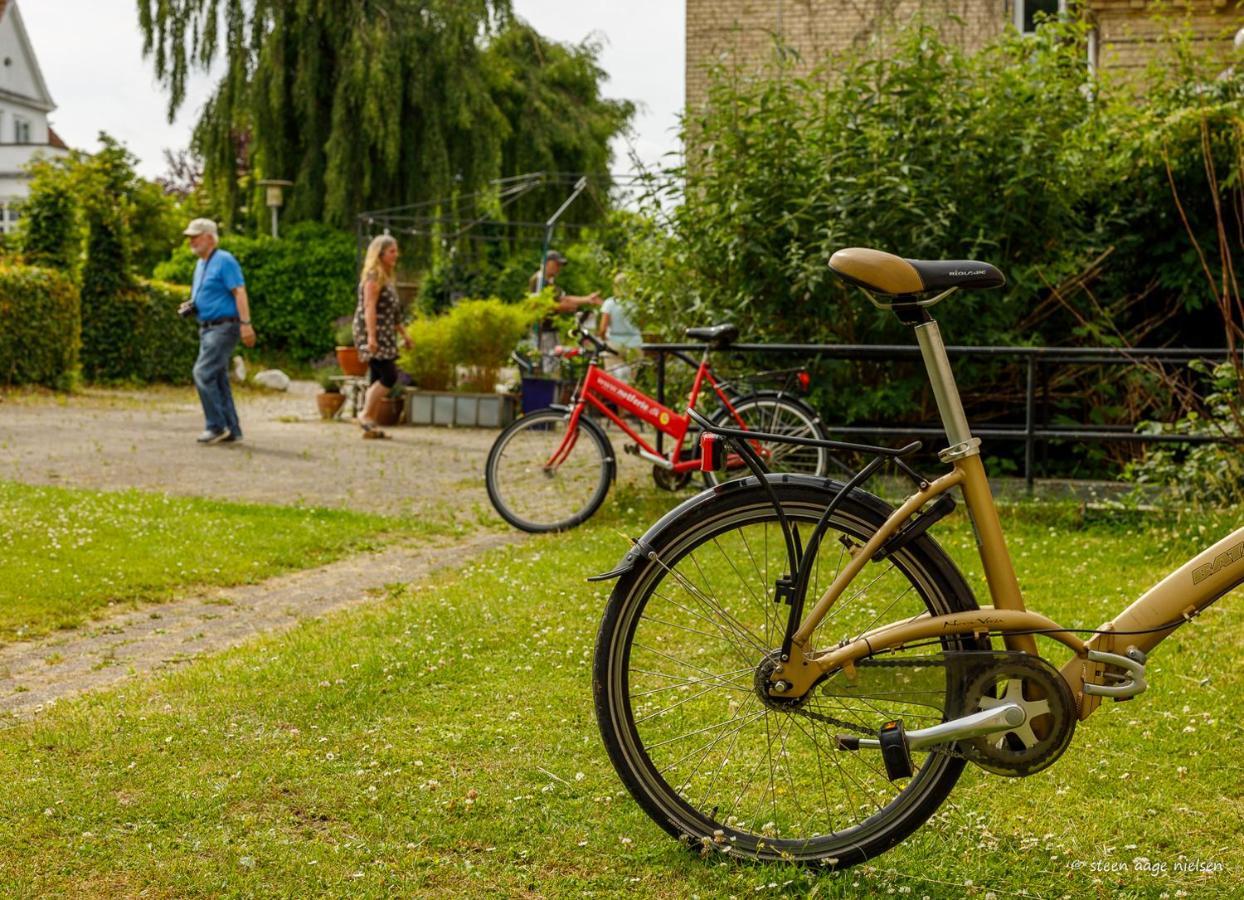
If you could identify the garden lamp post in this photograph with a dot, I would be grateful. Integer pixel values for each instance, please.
(275, 197)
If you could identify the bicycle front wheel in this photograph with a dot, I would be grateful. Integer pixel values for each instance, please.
(775, 414)
(680, 673)
(540, 477)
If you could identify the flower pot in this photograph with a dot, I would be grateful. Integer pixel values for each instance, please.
(348, 360)
(390, 411)
(329, 404)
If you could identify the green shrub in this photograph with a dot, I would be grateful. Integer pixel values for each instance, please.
(50, 233)
(1201, 475)
(483, 334)
(297, 285)
(430, 362)
(135, 334)
(40, 327)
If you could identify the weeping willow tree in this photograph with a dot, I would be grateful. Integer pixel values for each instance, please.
(370, 104)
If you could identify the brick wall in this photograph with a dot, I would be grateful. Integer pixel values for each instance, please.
(1127, 30)
(743, 31)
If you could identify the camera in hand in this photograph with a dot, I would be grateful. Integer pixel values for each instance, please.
(187, 309)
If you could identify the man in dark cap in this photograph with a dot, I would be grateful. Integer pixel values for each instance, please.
(565, 302)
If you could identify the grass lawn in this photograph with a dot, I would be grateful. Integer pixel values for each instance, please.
(442, 743)
(69, 554)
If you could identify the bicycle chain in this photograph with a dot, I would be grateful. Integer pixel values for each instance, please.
(859, 729)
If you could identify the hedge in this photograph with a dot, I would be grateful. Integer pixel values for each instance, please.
(40, 327)
(136, 335)
(297, 285)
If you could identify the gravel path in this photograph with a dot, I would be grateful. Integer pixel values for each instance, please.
(145, 439)
(119, 439)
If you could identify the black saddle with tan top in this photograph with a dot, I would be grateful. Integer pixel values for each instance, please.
(885, 273)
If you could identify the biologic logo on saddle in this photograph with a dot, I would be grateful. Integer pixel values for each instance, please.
(1221, 561)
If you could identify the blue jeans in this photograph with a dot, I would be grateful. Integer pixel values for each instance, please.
(211, 376)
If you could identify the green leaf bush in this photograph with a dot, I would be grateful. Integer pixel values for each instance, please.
(135, 334)
(430, 362)
(1014, 155)
(477, 336)
(40, 327)
(297, 285)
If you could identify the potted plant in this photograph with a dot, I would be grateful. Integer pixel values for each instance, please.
(482, 335)
(330, 399)
(347, 353)
(537, 389)
(390, 410)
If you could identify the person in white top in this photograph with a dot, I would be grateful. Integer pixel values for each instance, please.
(617, 329)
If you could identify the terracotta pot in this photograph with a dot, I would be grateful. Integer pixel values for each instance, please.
(348, 360)
(390, 412)
(329, 404)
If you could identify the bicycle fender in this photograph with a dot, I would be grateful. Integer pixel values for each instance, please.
(643, 546)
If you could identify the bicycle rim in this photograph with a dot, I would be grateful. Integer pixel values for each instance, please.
(688, 731)
(533, 495)
(776, 416)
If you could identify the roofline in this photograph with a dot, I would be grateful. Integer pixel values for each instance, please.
(23, 100)
(45, 97)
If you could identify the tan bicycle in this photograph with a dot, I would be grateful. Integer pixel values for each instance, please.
(791, 669)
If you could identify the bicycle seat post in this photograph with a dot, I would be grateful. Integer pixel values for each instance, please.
(945, 391)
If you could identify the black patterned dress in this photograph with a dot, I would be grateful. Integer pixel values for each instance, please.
(388, 312)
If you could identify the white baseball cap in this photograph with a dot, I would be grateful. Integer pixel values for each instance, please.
(201, 226)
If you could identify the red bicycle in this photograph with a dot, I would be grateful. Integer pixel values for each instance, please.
(551, 469)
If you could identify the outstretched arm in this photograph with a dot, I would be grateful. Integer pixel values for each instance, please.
(567, 303)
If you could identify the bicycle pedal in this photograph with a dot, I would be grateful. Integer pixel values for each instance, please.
(894, 751)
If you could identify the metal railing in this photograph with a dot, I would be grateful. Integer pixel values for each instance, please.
(1033, 358)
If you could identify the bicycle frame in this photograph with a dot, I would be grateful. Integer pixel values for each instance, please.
(599, 386)
(1123, 642)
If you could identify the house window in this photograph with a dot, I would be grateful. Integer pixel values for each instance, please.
(21, 131)
(1029, 13)
(10, 213)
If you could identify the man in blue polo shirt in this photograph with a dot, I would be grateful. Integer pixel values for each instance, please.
(218, 297)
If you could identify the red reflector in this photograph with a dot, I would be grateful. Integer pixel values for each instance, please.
(805, 380)
(712, 452)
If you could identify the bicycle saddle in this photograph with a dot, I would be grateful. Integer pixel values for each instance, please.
(886, 273)
(718, 335)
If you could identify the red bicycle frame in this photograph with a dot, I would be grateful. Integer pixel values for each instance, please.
(598, 386)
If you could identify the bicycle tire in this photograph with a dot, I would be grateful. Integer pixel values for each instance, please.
(537, 499)
(772, 412)
(710, 802)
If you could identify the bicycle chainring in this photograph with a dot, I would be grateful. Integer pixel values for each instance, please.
(1045, 697)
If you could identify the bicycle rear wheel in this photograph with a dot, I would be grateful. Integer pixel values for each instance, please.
(679, 683)
(775, 414)
(535, 492)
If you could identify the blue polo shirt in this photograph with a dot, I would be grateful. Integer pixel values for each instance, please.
(213, 285)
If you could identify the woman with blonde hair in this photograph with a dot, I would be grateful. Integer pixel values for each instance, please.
(377, 323)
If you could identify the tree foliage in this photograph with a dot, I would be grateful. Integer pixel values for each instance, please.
(376, 103)
(1013, 155)
(49, 234)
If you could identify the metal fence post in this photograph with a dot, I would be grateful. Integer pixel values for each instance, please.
(1029, 425)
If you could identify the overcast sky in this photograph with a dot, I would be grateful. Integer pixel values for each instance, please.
(91, 55)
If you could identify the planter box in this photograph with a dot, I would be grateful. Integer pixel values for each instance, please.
(463, 410)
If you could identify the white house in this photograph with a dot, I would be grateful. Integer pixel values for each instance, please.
(24, 107)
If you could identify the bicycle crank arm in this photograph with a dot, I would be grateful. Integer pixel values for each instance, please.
(988, 721)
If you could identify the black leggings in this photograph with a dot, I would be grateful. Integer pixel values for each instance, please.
(382, 370)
